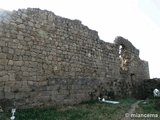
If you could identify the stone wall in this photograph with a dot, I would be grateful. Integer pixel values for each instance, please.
(148, 87)
(49, 60)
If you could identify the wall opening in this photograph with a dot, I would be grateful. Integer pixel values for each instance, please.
(123, 56)
(121, 48)
(133, 77)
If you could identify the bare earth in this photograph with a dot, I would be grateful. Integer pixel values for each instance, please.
(132, 110)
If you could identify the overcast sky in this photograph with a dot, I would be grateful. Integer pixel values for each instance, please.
(136, 20)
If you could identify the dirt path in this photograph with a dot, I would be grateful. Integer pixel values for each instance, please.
(131, 111)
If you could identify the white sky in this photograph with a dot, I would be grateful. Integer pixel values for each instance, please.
(136, 20)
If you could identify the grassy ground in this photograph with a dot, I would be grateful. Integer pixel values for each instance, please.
(92, 110)
(148, 106)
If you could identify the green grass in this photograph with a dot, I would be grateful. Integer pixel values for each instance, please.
(89, 110)
(148, 106)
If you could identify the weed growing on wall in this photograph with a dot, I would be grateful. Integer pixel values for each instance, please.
(42, 33)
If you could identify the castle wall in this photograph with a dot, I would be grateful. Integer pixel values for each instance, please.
(50, 60)
(148, 87)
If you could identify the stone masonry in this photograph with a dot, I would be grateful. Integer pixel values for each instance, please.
(48, 60)
(148, 87)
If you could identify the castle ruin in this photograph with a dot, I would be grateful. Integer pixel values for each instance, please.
(48, 60)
